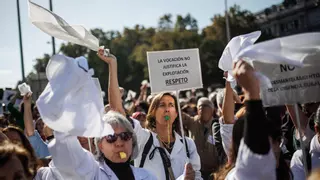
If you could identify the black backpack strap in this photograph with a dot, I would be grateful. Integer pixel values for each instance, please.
(146, 150)
(165, 160)
(309, 166)
(187, 149)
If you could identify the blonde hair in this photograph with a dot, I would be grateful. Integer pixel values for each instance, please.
(315, 175)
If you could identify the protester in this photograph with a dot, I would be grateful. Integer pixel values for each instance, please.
(73, 162)
(115, 150)
(15, 162)
(141, 117)
(17, 114)
(167, 157)
(255, 159)
(33, 135)
(312, 153)
(206, 136)
(16, 136)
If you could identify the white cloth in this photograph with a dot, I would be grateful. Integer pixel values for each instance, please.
(226, 136)
(251, 166)
(76, 163)
(48, 173)
(177, 157)
(235, 45)
(72, 101)
(55, 26)
(296, 164)
(297, 50)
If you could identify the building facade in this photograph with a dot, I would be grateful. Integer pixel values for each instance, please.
(278, 20)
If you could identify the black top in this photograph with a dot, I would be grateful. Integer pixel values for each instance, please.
(256, 128)
(170, 147)
(122, 170)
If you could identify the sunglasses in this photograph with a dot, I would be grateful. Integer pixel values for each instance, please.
(124, 136)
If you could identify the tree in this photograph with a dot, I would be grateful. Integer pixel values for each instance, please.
(241, 22)
(41, 63)
(165, 22)
(186, 23)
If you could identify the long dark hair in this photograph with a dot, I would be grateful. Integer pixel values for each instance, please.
(151, 119)
(237, 134)
(26, 145)
(8, 150)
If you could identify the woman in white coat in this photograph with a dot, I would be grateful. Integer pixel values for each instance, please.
(116, 151)
(166, 145)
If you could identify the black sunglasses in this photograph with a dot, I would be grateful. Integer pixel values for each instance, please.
(124, 136)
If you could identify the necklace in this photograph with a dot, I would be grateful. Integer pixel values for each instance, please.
(168, 145)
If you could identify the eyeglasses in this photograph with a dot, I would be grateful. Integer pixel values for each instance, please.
(124, 136)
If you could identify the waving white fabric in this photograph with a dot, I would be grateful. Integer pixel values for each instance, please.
(72, 102)
(297, 50)
(236, 44)
(292, 50)
(55, 26)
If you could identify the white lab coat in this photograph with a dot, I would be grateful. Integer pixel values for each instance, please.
(75, 163)
(251, 166)
(226, 136)
(48, 173)
(296, 164)
(177, 157)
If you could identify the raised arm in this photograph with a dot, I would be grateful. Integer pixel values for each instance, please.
(114, 95)
(143, 94)
(27, 115)
(256, 138)
(228, 105)
(255, 157)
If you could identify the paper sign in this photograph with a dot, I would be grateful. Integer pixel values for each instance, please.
(290, 85)
(7, 95)
(174, 70)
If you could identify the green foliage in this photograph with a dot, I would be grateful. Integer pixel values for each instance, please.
(131, 45)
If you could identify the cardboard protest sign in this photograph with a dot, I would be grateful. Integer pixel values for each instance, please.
(174, 70)
(290, 84)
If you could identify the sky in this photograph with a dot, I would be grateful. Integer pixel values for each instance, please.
(105, 14)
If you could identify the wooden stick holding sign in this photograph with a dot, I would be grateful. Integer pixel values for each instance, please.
(175, 71)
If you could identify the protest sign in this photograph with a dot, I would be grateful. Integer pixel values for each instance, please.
(174, 70)
(290, 84)
(7, 95)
